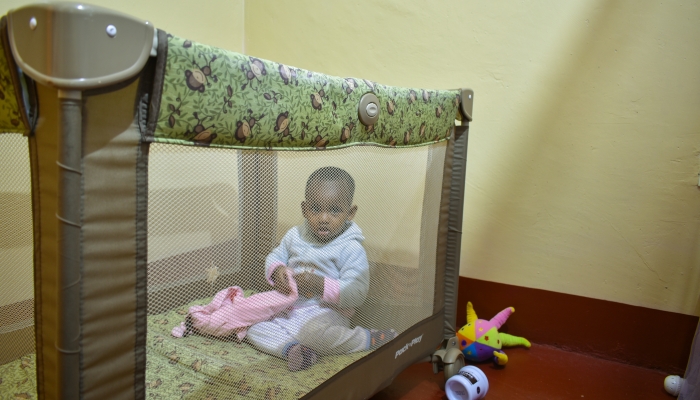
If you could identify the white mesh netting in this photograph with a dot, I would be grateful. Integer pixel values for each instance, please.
(16, 268)
(218, 217)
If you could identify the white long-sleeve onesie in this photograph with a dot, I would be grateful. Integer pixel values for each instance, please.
(322, 322)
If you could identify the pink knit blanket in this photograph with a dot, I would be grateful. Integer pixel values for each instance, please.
(230, 313)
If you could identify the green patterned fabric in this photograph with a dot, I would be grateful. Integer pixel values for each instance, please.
(10, 117)
(196, 367)
(18, 379)
(220, 98)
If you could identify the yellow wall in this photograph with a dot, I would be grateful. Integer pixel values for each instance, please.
(583, 159)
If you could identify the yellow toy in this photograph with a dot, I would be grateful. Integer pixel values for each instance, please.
(480, 340)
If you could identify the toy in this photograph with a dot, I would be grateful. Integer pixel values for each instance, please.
(479, 339)
(673, 384)
(469, 383)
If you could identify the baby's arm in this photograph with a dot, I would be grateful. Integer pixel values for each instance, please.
(276, 265)
(310, 284)
(350, 290)
(280, 281)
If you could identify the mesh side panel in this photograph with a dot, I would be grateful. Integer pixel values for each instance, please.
(16, 252)
(217, 217)
(192, 217)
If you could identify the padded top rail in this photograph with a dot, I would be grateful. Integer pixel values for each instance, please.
(214, 97)
(11, 116)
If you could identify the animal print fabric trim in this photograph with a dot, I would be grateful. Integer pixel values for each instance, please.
(11, 120)
(213, 97)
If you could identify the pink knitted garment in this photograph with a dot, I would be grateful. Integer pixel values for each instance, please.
(231, 313)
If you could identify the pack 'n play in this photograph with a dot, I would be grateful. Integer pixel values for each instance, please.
(206, 224)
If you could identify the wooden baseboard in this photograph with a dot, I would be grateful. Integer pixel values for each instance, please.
(634, 335)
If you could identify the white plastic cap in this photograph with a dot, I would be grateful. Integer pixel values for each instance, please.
(372, 109)
(470, 383)
(673, 384)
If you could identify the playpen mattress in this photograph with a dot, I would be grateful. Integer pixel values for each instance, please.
(207, 368)
(198, 367)
(18, 378)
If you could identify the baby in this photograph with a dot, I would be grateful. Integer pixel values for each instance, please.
(329, 265)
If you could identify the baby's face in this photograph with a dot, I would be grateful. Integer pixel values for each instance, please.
(326, 208)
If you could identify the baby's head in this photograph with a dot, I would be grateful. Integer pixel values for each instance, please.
(328, 202)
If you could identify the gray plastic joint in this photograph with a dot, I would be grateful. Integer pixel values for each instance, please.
(368, 110)
(154, 46)
(372, 109)
(467, 103)
(47, 38)
(70, 94)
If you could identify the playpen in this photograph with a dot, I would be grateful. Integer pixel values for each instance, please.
(146, 172)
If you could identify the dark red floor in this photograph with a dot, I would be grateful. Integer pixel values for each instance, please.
(540, 373)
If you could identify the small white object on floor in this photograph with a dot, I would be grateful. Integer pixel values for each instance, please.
(469, 383)
(212, 274)
(673, 384)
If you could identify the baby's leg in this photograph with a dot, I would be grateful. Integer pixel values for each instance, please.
(270, 337)
(328, 332)
(277, 337)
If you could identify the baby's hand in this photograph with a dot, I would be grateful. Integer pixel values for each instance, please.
(309, 284)
(280, 281)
